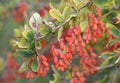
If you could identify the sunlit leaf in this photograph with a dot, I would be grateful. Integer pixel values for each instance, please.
(23, 67)
(17, 33)
(66, 11)
(56, 79)
(84, 25)
(60, 33)
(43, 31)
(56, 14)
(23, 43)
(1, 64)
(80, 4)
(68, 75)
(35, 22)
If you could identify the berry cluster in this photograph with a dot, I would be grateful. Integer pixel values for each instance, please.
(43, 67)
(75, 42)
(12, 67)
(19, 11)
(44, 10)
(77, 77)
(95, 27)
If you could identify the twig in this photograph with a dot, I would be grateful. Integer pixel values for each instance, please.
(110, 66)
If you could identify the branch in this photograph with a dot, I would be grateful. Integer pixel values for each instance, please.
(110, 66)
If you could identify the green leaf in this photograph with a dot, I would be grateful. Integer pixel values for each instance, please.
(103, 80)
(80, 4)
(103, 2)
(32, 45)
(23, 67)
(23, 43)
(17, 33)
(56, 14)
(113, 41)
(43, 31)
(25, 53)
(1, 64)
(66, 12)
(56, 79)
(30, 36)
(68, 75)
(34, 65)
(117, 50)
(113, 30)
(84, 25)
(60, 33)
(108, 55)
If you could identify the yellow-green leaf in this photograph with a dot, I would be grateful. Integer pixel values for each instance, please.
(23, 67)
(60, 33)
(43, 31)
(66, 12)
(23, 43)
(56, 14)
(83, 25)
(80, 4)
(17, 33)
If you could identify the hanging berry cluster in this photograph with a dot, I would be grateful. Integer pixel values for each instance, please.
(43, 67)
(75, 42)
(95, 27)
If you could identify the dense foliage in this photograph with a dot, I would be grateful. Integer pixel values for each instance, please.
(71, 39)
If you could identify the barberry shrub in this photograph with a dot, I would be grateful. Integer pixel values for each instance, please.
(81, 38)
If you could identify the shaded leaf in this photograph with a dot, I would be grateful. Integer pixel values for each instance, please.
(103, 80)
(113, 30)
(113, 41)
(103, 2)
(34, 65)
(30, 36)
(25, 53)
(107, 55)
(56, 14)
